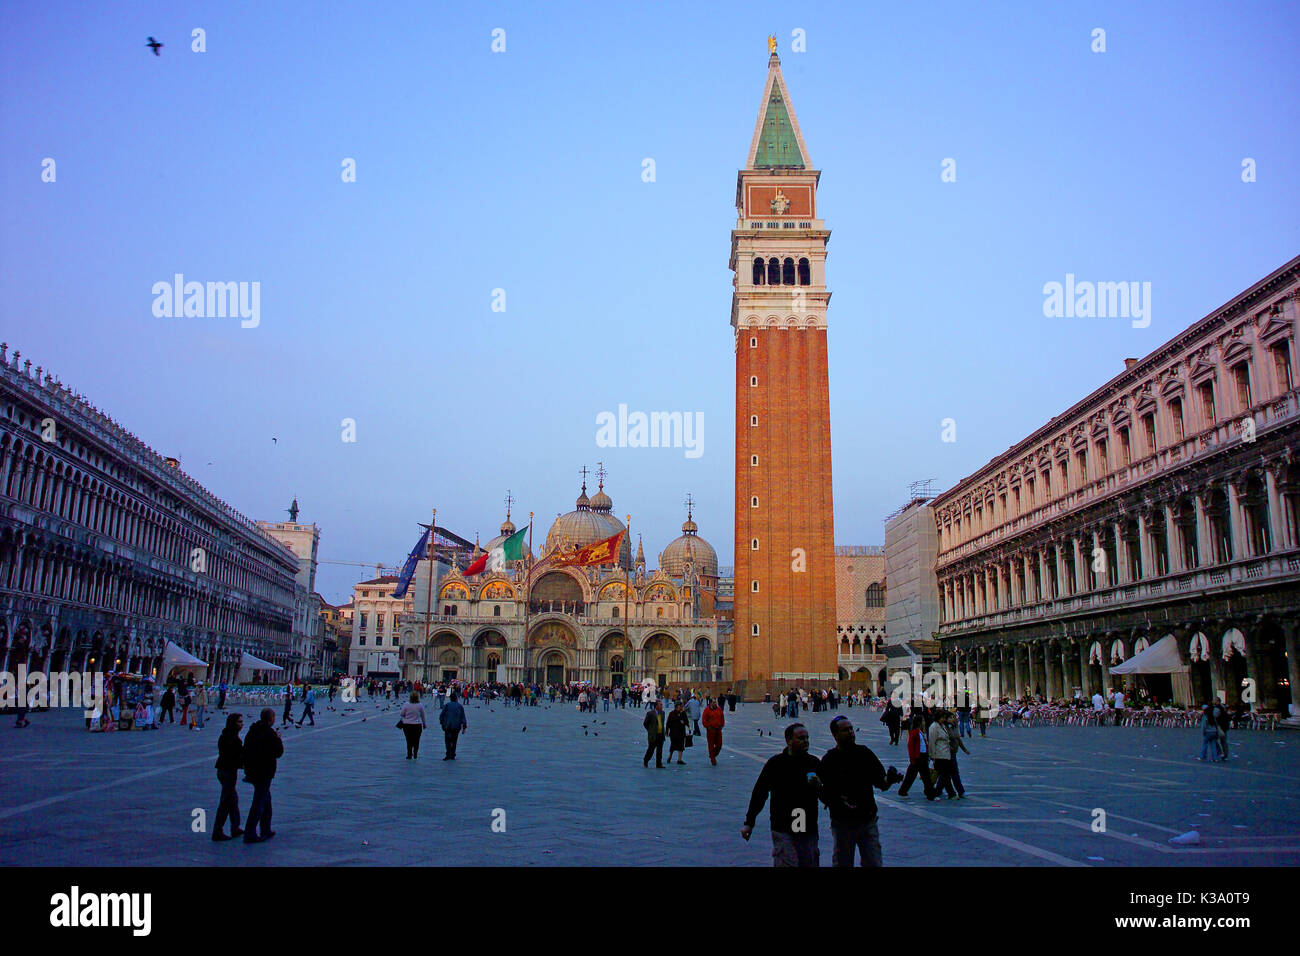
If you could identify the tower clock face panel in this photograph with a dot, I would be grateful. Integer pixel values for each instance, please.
(778, 200)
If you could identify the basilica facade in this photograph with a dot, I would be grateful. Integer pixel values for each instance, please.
(611, 625)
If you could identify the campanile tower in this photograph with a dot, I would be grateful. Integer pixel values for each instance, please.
(785, 566)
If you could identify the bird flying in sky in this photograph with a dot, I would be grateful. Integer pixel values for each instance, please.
(154, 45)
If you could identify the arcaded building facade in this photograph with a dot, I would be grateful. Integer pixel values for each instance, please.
(108, 550)
(1166, 502)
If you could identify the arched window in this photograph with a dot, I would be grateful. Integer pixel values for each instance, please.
(805, 274)
(787, 274)
(773, 271)
(616, 612)
(875, 596)
(496, 610)
(758, 271)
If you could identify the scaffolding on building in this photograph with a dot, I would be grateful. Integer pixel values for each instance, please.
(918, 492)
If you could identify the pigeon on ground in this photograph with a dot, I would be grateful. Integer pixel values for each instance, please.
(524, 731)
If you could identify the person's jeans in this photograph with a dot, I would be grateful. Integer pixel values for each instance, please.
(918, 767)
(795, 849)
(412, 732)
(308, 713)
(198, 716)
(1210, 746)
(943, 774)
(1223, 743)
(794, 711)
(450, 737)
(697, 729)
(893, 733)
(860, 836)
(259, 814)
(657, 750)
(963, 724)
(228, 804)
(955, 776)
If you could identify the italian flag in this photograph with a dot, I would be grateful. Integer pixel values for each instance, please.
(511, 549)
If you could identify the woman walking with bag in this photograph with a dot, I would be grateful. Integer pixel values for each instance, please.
(412, 723)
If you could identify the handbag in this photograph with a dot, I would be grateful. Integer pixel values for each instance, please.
(400, 725)
(690, 741)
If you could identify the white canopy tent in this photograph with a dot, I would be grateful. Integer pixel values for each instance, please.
(1160, 658)
(248, 663)
(175, 657)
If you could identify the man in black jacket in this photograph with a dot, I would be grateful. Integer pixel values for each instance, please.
(262, 748)
(454, 723)
(850, 775)
(230, 757)
(791, 779)
(893, 719)
(656, 728)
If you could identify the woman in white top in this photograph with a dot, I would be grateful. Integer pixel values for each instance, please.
(412, 723)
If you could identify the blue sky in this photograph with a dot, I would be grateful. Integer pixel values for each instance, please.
(522, 171)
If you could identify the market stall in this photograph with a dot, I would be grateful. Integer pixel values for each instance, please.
(1162, 657)
(180, 665)
(129, 693)
(248, 663)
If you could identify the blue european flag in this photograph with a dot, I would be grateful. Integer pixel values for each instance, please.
(408, 569)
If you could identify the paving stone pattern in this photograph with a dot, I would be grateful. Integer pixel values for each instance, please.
(345, 795)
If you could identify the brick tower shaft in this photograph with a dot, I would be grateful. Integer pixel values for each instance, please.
(784, 566)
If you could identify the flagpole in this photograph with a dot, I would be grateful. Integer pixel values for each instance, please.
(528, 573)
(428, 599)
(627, 593)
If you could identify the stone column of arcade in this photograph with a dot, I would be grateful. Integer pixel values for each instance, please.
(1291, 636)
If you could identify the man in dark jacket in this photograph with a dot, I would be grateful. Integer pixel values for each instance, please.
(893, 719)
(656, 727)
(452, 718)
(851, 774)
(1224, 722)
(230, 757)
(791, 779)
(262, 748)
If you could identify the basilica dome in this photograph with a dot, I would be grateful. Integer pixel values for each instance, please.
(507, 529)
(673, 559)
(586, 525)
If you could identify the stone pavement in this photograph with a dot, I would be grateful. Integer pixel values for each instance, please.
(345, 795)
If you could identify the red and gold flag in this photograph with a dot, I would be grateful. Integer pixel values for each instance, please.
(602, 552)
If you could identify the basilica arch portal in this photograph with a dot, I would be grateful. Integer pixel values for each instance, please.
(552, 652)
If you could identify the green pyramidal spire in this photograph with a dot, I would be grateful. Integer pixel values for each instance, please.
(778, 145)
(777, 141)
